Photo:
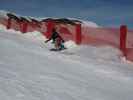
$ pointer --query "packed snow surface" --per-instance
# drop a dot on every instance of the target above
(29, 71)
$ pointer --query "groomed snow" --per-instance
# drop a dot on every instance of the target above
(29, 71)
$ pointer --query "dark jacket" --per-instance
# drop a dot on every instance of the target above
(54, 36)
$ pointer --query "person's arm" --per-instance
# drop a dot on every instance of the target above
(49, 39)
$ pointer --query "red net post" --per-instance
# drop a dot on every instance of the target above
(123, 37)
(78, 37)
(24, 27)
(8, 26)
(50, 26)
(20, 26)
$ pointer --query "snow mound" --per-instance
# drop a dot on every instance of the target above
(86, 23)
(3, 29)
(35, 35)
(3, 14)
(70, 44)
(89, 24)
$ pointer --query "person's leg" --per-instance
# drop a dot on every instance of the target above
(62, 45)
(57, 44)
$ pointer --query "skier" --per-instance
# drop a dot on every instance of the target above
(57, 40)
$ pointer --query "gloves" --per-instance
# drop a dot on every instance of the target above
(46, 41)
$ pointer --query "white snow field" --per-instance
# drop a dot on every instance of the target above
(29, 71)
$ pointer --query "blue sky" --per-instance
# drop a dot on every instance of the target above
(103, 12)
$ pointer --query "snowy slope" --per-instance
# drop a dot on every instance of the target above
(29, 71)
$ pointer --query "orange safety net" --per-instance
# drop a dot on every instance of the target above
(89, 35)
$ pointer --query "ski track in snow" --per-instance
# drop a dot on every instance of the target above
(29, 71)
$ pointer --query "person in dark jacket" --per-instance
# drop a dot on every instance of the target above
(57, 40)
